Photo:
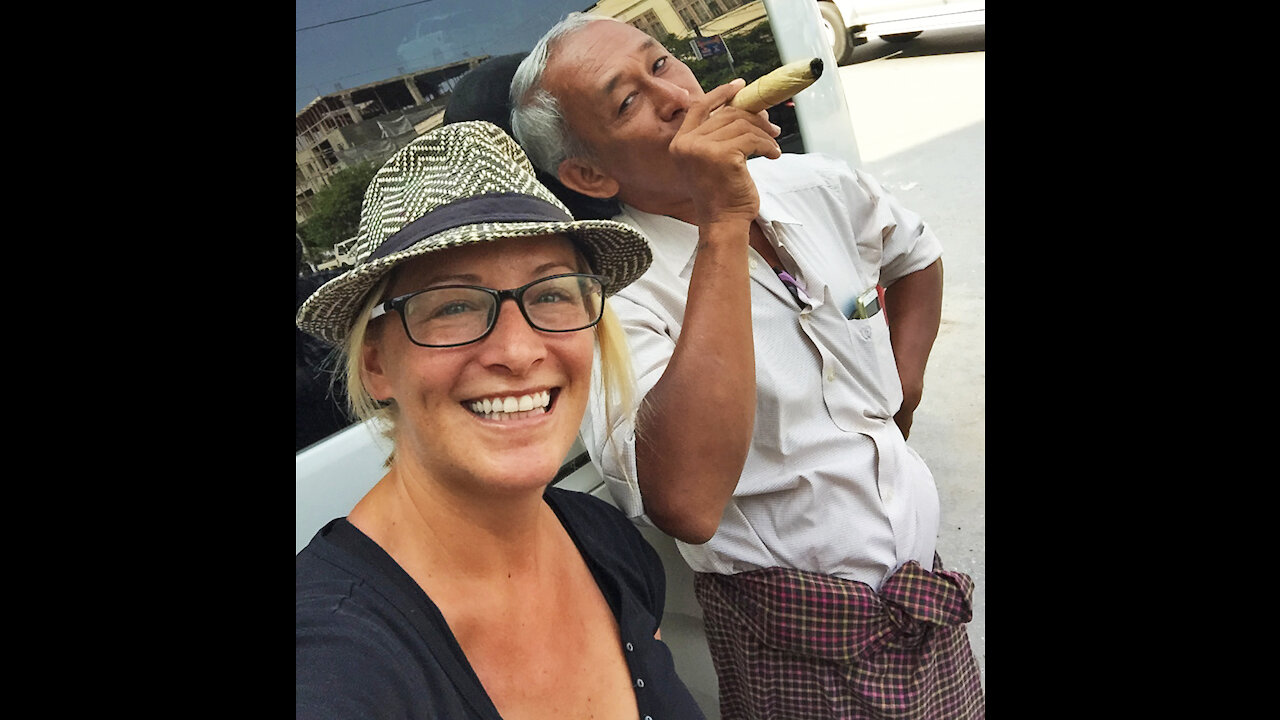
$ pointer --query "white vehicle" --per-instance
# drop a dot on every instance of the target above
(848, 23)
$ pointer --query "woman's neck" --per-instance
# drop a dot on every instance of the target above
(444, 530)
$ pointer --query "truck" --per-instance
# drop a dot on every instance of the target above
(848, 23)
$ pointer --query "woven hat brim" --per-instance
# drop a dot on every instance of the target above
(616, 251)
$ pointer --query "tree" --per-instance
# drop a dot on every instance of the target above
(754, 54)
(337, 207)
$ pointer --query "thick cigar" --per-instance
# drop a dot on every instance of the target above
(770, 89)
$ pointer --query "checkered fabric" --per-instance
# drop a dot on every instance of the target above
(475, 174)
(796, 645)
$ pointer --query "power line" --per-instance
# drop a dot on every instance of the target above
(357, 17)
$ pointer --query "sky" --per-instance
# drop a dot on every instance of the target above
(349, 43)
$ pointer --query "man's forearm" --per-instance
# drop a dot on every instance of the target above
(694, 428)
(913, 307)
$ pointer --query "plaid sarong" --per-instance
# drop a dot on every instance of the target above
(803, 646)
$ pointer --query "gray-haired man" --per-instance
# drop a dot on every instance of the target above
(771, 437)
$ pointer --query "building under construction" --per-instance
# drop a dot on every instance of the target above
(367, 123)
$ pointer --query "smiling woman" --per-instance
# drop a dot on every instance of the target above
(470, 323)
(456, 348)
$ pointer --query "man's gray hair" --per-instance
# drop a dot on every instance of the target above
(537, 121)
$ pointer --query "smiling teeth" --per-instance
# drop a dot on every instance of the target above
(512, 404)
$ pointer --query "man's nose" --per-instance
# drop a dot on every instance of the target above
(669, 99)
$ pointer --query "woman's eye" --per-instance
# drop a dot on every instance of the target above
(660, 63)
(453, 308)
(552, 296)
(626, 102)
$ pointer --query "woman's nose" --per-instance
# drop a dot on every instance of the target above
(513, 343)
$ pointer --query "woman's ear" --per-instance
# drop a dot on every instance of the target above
(373, 372)
(583, 176)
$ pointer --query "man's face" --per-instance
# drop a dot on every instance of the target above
(625, 96)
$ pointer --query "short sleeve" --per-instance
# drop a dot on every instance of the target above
(907, 243)
(610, 437)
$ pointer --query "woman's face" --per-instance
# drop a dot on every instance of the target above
(437, 389)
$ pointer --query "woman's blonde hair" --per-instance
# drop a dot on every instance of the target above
(615, 366)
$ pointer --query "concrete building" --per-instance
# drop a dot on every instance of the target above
(370, 122)
(684, 18)
(366, 123)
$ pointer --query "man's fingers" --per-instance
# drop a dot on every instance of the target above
(709, 124)
(715, 105)
(747, 134)
(702, 108)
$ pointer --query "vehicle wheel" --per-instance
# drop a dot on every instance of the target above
(901, 37)
(837, 33)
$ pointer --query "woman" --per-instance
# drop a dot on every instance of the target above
(461, 585)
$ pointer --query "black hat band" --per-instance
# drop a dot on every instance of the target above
(488, 208)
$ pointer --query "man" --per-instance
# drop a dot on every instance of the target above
(776, 397)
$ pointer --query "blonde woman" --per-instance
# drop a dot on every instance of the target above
(461, 585)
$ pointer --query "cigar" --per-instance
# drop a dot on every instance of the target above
(772, 88)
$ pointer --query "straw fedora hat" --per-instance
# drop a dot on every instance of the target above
(461, 183)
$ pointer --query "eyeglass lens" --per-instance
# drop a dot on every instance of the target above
(459, 315)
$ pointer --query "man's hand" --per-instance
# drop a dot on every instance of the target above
(903, 419)
(713, 144)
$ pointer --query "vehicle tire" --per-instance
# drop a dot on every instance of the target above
(901, 37)
(837, 33)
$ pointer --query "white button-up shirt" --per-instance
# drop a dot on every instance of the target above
(829, 484)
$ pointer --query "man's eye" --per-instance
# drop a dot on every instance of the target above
(658, 66)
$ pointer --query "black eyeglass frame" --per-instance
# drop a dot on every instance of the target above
(516, 294)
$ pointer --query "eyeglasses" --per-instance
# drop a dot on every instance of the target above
(452, 315)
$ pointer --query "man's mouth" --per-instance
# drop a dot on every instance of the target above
(511, 407)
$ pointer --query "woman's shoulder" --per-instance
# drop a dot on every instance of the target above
(369, 642)
(609, 538)
(343, 578)
(588, 513)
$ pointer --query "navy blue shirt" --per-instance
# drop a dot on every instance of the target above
(371, 644)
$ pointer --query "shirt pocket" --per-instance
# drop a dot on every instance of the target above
(864, 376)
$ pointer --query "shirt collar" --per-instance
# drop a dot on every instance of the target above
(772, 211)
(664, 226)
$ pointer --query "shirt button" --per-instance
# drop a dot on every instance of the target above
(831, 374)
(751, 263)
(639, 683)
(630, 647)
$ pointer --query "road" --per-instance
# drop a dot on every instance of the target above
(919, 118)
